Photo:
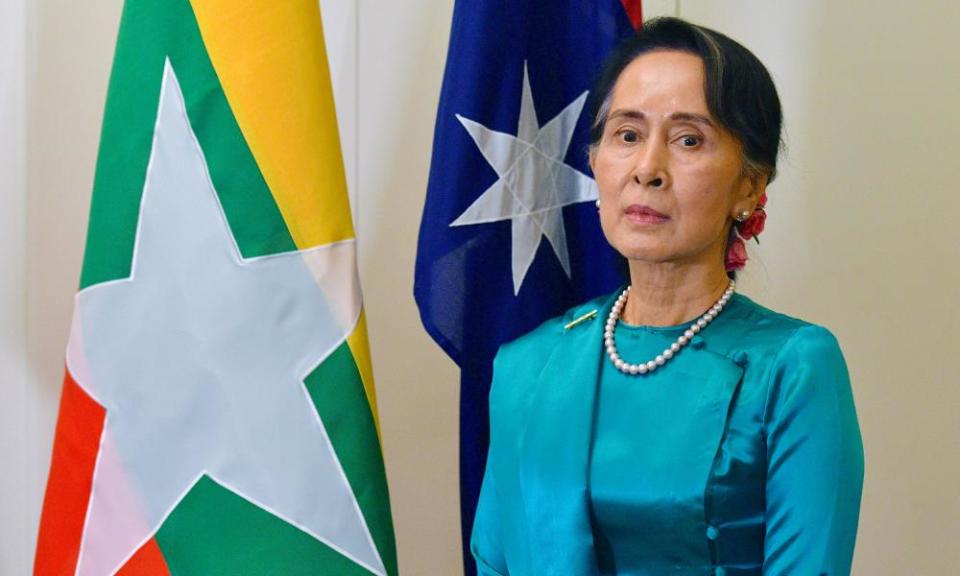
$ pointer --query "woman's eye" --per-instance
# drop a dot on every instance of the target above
(690, 141)
(629, 136)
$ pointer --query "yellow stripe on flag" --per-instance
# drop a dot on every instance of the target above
(272, 64)
(359, 347)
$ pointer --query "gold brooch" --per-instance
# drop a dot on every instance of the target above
(588, 316)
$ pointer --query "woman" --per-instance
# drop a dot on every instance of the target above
(674, 427)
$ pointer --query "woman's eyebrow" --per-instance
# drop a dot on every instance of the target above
(691, 117)
(675, 116)
(627, 113)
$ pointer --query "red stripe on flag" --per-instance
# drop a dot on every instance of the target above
(148, 561)
(75, 449)
(633, 12)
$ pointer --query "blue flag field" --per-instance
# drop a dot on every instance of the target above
(510, 235)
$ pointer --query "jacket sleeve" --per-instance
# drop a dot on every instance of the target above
(485, 541)
(814, 460)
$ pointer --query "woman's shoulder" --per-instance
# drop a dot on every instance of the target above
(778, 335)
(545, 336)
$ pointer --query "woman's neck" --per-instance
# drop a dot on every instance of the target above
(666, 294)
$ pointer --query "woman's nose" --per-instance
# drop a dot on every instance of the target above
(650, 169)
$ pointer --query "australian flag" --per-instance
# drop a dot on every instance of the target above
(510, 234)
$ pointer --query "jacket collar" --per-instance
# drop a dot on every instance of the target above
(556, 440)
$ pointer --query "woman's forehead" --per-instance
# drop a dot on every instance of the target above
(661, 83)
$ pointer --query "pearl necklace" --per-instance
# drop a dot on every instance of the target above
(670, 351)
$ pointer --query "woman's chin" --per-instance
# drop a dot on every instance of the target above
(646, 256)
(638, 257)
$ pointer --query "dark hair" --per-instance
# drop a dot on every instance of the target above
(738, 89)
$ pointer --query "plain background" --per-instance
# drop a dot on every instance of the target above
(862, 237)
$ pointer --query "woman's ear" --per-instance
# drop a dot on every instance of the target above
(754, 185)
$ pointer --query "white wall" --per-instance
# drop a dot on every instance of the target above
(861, 237)
(68, 51)
(402, 53)
(15, 394)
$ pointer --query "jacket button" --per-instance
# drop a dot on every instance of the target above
(712, 533)
(697, 341)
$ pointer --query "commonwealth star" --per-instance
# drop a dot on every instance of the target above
(534, 182)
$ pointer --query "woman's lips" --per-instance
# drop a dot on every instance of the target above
(644, 214)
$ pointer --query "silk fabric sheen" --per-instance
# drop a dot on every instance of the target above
(741, 456)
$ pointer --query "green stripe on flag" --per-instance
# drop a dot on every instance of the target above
(214, 532)
(150, 32)
(337, 392)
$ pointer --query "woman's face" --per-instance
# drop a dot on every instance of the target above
(670, 177)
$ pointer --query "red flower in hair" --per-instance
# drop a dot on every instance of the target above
(736, 254)
(753, 225)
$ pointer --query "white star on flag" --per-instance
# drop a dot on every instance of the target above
(534, 182)
(199, 359)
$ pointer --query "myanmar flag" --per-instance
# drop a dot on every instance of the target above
(218, 413)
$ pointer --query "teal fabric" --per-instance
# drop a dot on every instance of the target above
(741, 456)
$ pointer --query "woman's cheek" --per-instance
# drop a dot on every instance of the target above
(609, 219)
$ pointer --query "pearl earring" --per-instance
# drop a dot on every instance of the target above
(598, 203)
(743, 216)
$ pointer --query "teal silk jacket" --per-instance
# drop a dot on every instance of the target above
(746, 457)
